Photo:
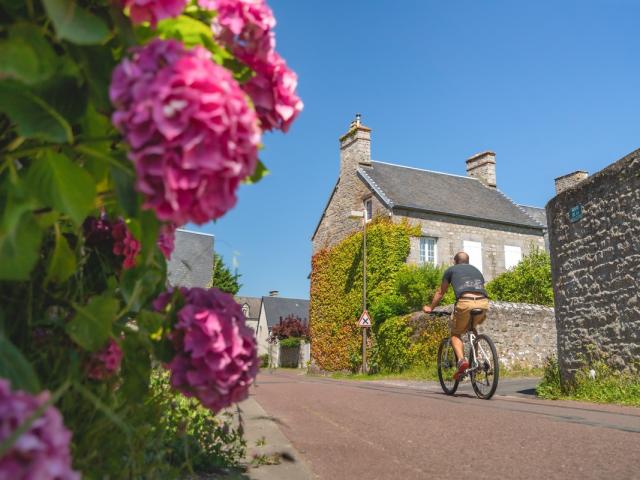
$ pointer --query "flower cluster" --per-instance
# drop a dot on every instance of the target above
(167, 239)
(192, 134)
(216, 359)
(42, 452)
(245, 27)
(114, 236)
(153, 11)
(106, 362)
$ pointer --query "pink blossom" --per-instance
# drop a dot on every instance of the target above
(216, 354)
(245, 27)
(192, 134)
(42, 452)
(153, 11)
(273, 91)
(166, 239)
(106, 362)
(124, 244)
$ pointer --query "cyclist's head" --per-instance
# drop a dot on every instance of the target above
(461, 257)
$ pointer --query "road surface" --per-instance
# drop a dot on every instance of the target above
(410, 430)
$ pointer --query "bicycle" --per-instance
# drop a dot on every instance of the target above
(484, 368)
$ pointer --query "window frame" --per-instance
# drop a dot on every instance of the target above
(422, 253)
(367, 204)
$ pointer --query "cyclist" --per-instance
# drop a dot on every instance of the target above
(468, 286)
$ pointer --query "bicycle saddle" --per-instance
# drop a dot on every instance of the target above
(476, 311)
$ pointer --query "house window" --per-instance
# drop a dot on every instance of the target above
(474, 250)
(428, 252)
(368, 209)
(512, 256)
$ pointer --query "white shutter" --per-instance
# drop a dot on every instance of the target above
(474, 250)
(512, 256)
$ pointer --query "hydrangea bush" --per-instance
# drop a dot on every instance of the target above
(120, 121)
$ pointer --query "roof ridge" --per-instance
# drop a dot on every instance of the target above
(516, 205)
(426, 170)
(286, 298)
(530, 206)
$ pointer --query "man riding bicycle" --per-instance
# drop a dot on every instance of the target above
(468, 286)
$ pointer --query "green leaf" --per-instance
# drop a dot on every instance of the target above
(76, 24)
(33, 116)
(60, 183)
(26, 55)
(185, 29)
(259, 173)
(65, 95)
(91, 326)
(20, 238)
(62, 264)
(136, 368)
(138, 285)
(16, 368)
(150, 227)
(125, 191)
(96, 64)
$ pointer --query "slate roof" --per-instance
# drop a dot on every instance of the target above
(280, 307)
(254, 306)
(191, 262)
(424, 190)
(538, 214)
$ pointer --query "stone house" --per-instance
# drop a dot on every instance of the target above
(265, 312)
(455, 212)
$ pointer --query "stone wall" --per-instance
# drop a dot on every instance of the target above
(452, 231)
(524, 334)
(191, 263)
(595, 260)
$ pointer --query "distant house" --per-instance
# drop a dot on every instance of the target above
(272, 310)
(191, 263)
(455, 212)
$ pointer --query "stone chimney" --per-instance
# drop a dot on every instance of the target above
(570, 180)
(274, 293)
(483, 167)
(355, 147)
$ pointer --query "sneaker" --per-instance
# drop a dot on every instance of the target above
(462, 366)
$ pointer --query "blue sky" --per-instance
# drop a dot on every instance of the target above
(550, 86)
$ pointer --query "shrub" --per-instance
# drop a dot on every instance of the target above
(264, 360)
(528, 282)
(290, 342)
(290, 327)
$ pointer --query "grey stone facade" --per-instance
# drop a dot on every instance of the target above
(524, 335)
(594, 231)
(191, 263)
(450, 208)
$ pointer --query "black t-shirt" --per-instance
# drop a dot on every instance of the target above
(465, 278)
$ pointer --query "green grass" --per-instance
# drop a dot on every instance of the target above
(608, 386)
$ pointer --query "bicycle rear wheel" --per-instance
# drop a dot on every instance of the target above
(484, 378)
(447, 367)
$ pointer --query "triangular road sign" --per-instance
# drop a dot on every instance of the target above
(365, 320)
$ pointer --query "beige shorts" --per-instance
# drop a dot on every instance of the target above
(462, 314)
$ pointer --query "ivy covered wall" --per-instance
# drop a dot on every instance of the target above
(336, 289)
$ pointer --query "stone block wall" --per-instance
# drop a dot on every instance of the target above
(524, 334)
(595, 260)
(191, 263)
(451, 232)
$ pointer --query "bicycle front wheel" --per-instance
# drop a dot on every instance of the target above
(484, 377)
(447, 367)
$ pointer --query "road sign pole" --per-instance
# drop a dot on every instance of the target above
(364, 291)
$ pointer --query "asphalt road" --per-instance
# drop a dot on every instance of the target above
(410, 430)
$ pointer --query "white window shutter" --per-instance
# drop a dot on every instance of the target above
(512, 256)
(474, 250)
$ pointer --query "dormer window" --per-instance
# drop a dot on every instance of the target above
(245, 310)
(368, 209)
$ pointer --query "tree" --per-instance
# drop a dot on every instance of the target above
(528, 282)
(222, 278)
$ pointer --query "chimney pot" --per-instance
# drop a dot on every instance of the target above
(483, 167)
(273, 293)
(570, 180)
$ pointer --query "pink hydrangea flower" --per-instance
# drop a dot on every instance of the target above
(153, 11)
(104, 363)
(216, 355)
(192, 134)
(124, 244)
(166, 239)
(42, 452)
(243, 26)
(273, 91)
